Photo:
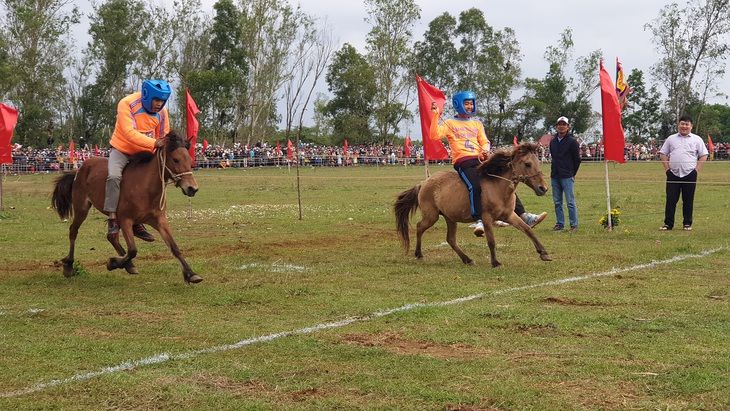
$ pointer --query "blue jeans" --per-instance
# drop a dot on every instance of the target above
(565, 186)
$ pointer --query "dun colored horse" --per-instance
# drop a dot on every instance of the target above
(142, 199)
(444, 193)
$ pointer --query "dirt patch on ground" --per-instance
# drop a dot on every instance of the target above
(398, 344)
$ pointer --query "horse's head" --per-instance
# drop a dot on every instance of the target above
(519, 165)
(526, 167)
(178, 164)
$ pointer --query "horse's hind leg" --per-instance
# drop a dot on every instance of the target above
(428, 219)
(80, 213)
(129, 265)
(451, 239)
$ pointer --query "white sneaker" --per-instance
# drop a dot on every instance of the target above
(479, 229)
(500, 223)
(533, 219)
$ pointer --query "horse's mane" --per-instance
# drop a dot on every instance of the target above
(173, 141)
(500, 160)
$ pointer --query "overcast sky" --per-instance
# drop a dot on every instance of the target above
(615, 27)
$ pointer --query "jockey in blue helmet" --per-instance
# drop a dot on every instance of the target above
(458, 102)
(154, 89)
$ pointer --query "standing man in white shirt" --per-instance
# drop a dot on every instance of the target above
(682, 155)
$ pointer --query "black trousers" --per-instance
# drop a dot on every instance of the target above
(676, 187)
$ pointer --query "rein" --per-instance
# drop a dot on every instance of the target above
(161, 155)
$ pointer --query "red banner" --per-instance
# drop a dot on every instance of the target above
(8, 120)
(514, 141)
(205, 145)
(191, 109)
(289, 154)
(428, 94)
(613, 131)
(710, 146)
(408, 146)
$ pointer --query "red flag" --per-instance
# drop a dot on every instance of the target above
(205, 145)
(288, 150)
(514, 141)
(346, 147)
(278, 147)
(191, 123)
(71, 149)
(427, 94)
(613, 131)
(408, 146)
(710, 146)
(8, 120)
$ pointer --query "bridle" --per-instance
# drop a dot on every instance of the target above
(516, 178)
(162, 160)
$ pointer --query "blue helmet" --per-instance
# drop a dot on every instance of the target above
(154, 89)
(458, 102)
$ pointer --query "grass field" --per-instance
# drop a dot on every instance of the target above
(326, 312)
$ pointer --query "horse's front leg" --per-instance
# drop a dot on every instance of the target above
(492, 245)
(163, 227)
(125, 259)
(519, 224)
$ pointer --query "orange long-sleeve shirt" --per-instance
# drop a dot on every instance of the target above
(466, 136)
(136, 130)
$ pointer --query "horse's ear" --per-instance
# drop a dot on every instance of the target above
(188, 142)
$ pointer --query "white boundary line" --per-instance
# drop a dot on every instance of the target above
(160, 358)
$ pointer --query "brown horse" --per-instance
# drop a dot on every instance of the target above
(444, 193)
(141, 200)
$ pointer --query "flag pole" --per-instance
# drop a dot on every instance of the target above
(608, 200)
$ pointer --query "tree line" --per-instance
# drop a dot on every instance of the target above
(253, 67)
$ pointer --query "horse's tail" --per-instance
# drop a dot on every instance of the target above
(405, 205)
(61, 199)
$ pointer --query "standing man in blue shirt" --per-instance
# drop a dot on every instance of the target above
(565, 152)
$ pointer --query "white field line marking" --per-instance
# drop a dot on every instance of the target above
(160, 358)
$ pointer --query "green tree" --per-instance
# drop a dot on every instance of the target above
(435, 56)
(115, 29)
(351, 80)
(269, 27)
(642, 117)
(693, 44)
(390, 56)
(35, 62)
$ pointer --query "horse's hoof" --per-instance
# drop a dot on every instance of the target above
(68, 271)
(469, 262)
(496, 264)
(545, 257)
(193, 279)
(132, 270)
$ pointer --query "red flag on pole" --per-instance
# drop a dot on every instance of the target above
(191, 123)
(346, 147)
(408, 146)
(613, 131)
(710, 146)
(427, 94)
(205, 145)
(289, 154)
(71, 149)
(96, 150)
(278, 147)
(514, 141)
(8, 120)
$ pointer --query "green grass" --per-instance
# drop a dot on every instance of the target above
(632, 337)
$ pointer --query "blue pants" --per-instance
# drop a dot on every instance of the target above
(564, 186)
